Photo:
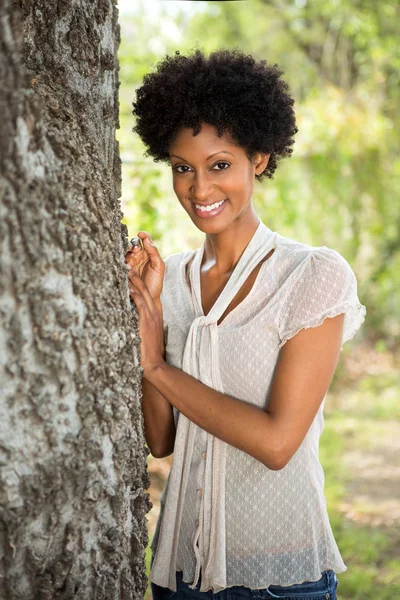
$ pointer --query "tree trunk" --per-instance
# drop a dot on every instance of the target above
(73, 470)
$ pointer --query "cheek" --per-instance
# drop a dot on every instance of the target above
(236, 183)
(175, 186)
(178, 185)
(180, 191)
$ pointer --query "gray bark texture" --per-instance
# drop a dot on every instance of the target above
(73, 459)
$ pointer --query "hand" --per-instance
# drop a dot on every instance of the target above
(151, 330)
(148, 264)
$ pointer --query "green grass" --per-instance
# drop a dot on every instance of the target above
(369, 552)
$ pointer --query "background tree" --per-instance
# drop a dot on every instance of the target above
(73, 467)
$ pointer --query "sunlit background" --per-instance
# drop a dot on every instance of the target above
(340, 189)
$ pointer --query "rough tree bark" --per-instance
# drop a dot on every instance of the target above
(73, 470)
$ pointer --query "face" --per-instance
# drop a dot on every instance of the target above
(206, 170)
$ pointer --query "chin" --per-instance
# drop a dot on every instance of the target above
(210, 226)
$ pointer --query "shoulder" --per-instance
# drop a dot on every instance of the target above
(297, 260)
(173, 264)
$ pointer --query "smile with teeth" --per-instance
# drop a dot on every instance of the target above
(210, 206)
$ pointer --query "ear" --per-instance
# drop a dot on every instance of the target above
(260, 161)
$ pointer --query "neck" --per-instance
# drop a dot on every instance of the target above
(223, 250)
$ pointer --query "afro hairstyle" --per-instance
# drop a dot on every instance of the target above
(228, 90)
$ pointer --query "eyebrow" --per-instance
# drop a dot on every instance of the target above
(211, 155)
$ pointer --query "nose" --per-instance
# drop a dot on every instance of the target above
(202, 188)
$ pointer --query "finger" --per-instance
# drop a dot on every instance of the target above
(134, 287)
(132, 271)
(136, 245)
(139, 285)
(136, 296)
(128, 256)
(151, 249)
(135, 241)
(136, 260)
(132, 252)
(142, 307)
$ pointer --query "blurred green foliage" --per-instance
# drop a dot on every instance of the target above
(341, 186)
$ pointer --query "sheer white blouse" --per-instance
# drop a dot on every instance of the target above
(223, 513)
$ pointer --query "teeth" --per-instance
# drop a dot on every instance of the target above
(210, 207)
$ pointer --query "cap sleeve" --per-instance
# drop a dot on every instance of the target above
(323, 285)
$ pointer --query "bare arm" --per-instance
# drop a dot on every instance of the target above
(302, 377)
(158, 415)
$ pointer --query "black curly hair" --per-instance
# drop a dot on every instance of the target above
(228, 90)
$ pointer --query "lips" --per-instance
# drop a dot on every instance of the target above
(209, 213)
(208, 203)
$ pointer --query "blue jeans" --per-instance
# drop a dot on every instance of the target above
(323, 589)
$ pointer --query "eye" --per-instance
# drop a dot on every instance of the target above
(222, 163)
(186, 167)
(179, 167)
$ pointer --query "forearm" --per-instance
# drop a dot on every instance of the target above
(158, 415)
(234, 421)
(159, 422)
(160, 310)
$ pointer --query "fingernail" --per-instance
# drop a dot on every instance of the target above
(129, 267)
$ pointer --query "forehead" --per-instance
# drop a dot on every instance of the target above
(205, 141)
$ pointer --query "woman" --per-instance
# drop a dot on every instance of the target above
(240, 339)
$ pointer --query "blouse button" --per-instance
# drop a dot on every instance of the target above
(199, 491)
(204, 454)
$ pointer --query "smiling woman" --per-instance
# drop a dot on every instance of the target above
(240, 339)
